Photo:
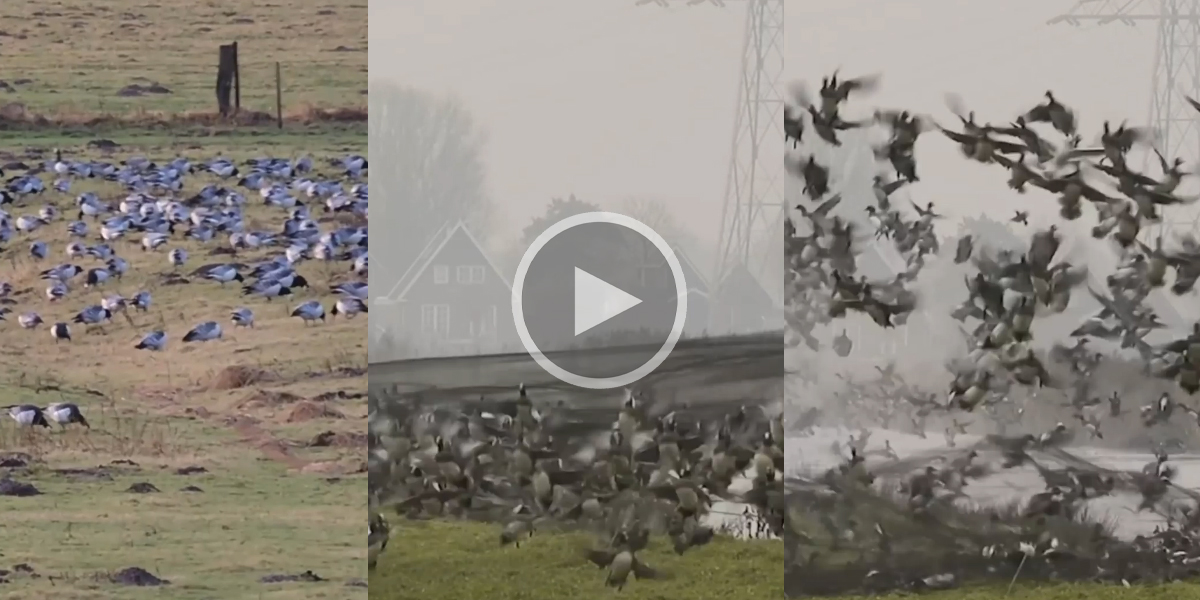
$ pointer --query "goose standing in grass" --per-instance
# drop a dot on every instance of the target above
(27, 415)
(39, 250)
(268, 290)
(93, 315)
(30, 320)
(141, 301)
(60, 331)
(208, 330)
(65, 413)
(154, 341)
(242, 317)
(223, 274)
(348, 307)
(310, 311)
(177, 257)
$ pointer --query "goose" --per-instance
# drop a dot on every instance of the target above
(28, 224)
(30, 320)
(242, 317)
(39, 250)
(77, 229)
(141, 301)
(93, 315)
(27, 415)
(60, 167)
(56, 291)
(153, 241)
(206, 331)
(267, 290)
(177, 256)
(223, 274)
(60, 332)
(348, 307)
(65, 413)
(115, 303)
(117, 266)
(96, 277)
(155, 341)
(47, 213)
(310, 311)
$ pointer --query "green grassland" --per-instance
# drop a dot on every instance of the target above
(444, 560)
(244, 409)
(69, 65)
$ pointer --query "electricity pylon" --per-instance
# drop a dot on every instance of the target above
(753, 211)
(1176, 64)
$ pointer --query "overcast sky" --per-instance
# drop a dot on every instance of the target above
(1000, 57)
(599, 98)
(607, 100)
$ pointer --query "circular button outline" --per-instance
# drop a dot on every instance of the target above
(518, 310)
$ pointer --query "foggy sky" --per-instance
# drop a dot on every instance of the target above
(599, 98)
(1000, 57)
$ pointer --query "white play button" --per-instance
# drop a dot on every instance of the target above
(599, 280)
(597, 301)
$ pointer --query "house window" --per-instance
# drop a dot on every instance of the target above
(469, 275)
(428, 318)
(435, 319)
(441, 274)
(443, 320)
(488, 322)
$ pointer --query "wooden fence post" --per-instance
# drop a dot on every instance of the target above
(226, 70)
(278, 97)
(237, 81)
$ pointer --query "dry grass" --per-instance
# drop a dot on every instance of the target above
(267, 507)
(66, 60)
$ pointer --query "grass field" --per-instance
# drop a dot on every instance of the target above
(70, 65)
(440, 560)
(246, 410)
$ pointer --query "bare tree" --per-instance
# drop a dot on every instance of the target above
(428, 172)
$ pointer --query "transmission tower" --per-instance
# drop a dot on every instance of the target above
(1176, 63)
(752, 216)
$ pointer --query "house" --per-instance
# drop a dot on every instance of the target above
(742, 305)
(659, 274)
(451, 301)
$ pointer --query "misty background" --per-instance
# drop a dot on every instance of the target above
(510, 116)
(1000, 58)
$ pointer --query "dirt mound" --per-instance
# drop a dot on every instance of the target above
(268, 398)
(329, 439)
(307, 411)
(136, 576)
(239, 376)
(8, 487)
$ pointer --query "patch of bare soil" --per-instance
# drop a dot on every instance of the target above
(239, 376)
(268, 399)
(271, 447)
(307, 410)
(329, 439)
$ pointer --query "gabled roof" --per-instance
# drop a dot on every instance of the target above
(429, 254)
(700, 283)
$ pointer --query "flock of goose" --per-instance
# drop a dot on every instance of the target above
(157, 212)
(640, 469)
(868, 536)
